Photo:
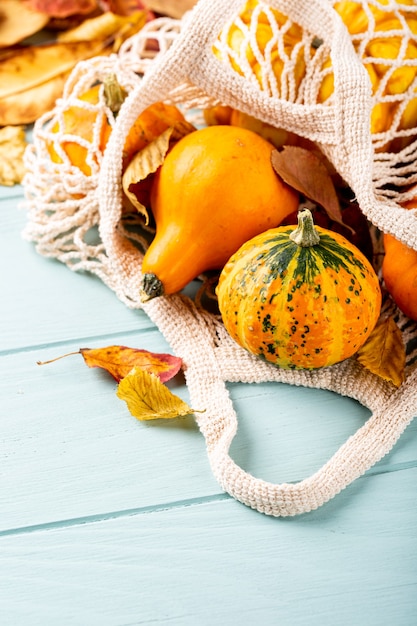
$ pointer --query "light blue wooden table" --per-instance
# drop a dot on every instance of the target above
(108, 521)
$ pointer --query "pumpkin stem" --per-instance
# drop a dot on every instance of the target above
(114, 94)
(151, 287)
(305, 234)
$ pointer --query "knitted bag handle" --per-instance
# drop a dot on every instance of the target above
(210, 356)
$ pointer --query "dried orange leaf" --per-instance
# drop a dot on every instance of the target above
(384, 352)
(107, 26)
(147, 398)
(120, 360)
(12, 148)
(18, 21)
(305, 171)
(143, 164)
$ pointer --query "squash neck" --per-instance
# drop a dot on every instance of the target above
(305, 235)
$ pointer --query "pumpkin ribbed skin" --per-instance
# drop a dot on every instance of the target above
(299, 307)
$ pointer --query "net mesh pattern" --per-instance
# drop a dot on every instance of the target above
(340, 74)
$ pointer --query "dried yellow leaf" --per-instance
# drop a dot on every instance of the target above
(31, 66)
(33, 77)
(144, 163)
(12, 148)
(147, 398)
(173, 8)
(18, 21)
(384, 352)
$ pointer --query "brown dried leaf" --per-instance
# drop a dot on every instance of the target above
(32, 78)
(63, 8)
(12, 148)
(118, 361)
(123, 7)
(384, 352)
(305, 171)
(18, 21)
(147, 398)
(143, 164)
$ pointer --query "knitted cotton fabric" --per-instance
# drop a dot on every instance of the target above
(77, 218)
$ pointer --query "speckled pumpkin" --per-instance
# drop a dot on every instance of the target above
(301, 299)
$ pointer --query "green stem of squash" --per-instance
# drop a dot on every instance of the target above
(305, 235)
(114, 94)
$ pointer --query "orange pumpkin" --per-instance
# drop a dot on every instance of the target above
(84, 122)
(399, 270)
(300, 299)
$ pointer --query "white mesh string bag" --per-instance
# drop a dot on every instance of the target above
(325, 90)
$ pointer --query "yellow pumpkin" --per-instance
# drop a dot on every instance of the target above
(235, 47)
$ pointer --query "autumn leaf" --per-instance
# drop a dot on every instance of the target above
(305, 171)
(33, 78)
(147, 398)
(125, 7)
(118, 361)
(18, 21)
(146, 161)
(384, 352)
(63, 8)
(173, 8)
(12, 148)
(143, 164)
(106, 27)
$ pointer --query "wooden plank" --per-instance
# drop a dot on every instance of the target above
(351, 562)
(287, 433)
(70, 447)
(44, 302)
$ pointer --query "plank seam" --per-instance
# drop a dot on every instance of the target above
(100, 517)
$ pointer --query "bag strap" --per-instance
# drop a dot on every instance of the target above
(188, 330)
(194, 338)
(190, 59)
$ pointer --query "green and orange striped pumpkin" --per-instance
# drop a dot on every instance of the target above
(301, 299)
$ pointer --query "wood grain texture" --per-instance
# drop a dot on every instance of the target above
(42, 301)
(219, 563)
(111, 522)
(63, 420)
